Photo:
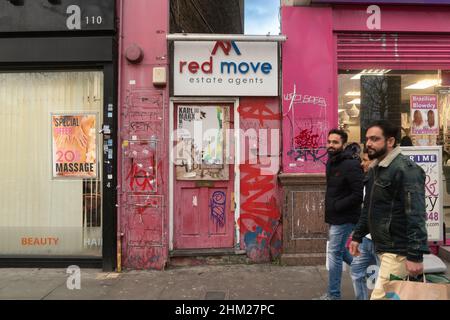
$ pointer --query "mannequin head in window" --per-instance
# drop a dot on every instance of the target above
(417, 118)
(430, 118)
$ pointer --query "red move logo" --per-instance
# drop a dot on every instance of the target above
(226, 67)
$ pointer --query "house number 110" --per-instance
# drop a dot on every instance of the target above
(94, 20)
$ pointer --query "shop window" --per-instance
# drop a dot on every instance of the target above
(383, 94)
(43, 214)
(380, 94)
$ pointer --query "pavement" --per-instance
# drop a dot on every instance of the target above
(217, 282)
(221, 282)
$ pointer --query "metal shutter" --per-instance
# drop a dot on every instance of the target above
(393, 51)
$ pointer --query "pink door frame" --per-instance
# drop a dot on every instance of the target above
(234, 102)
(194, 210)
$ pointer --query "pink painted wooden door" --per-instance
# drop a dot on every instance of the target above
(203, 193)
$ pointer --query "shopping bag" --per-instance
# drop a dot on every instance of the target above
(416, 290)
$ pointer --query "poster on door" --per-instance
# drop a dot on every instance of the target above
(200, 151)
(424, 114)
(430, 159)
(74, 152)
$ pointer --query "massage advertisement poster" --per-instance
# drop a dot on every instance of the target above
(74, 152)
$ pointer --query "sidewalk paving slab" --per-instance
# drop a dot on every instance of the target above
(229, 282)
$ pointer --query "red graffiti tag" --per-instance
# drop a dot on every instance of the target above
(146, 205)
(142, 179)
(257, 110)
(254, 208)
(306, 139)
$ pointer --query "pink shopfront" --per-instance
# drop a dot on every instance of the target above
(346, 65)
(182, 196)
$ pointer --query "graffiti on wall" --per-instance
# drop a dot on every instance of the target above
(306, 99)
(142, 220)
(142, 175)
(306, 130)
(308, 146)
(308, 88)
(259, 206)
(260, 214)
(258, 111)
(217, 206)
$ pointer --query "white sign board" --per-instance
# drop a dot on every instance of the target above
(225, 68)
(430, 159)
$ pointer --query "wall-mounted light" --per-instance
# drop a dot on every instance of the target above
(370, 72)
(134, 54)
(423, 84)
(355, 101)
(17, 2)
(353, 94)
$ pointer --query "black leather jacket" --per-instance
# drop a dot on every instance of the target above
(394, 208)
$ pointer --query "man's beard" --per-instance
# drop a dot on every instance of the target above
(376, 154)
(332, 151)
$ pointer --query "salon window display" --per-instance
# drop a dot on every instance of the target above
(412, 100)
(423, 110)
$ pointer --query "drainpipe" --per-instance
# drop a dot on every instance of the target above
(119, 162)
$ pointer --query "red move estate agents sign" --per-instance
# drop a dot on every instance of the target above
(225, 68)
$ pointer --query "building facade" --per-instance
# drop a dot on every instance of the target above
(58, 120)
(93, 173)
(135, 137)
(183, 194)
(351, 64)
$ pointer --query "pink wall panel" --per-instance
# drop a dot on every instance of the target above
(309, 76)
(143, 123)
(190, 219)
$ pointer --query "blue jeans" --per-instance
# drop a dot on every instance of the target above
(337, 252)
(359, 267)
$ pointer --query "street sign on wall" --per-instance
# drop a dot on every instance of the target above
(225, 68)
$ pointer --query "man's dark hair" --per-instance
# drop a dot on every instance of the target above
(341, 133)
(389, 130)
(355, 150)
(406, 141)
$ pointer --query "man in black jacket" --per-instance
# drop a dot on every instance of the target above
(394, 208)
(342, 205)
